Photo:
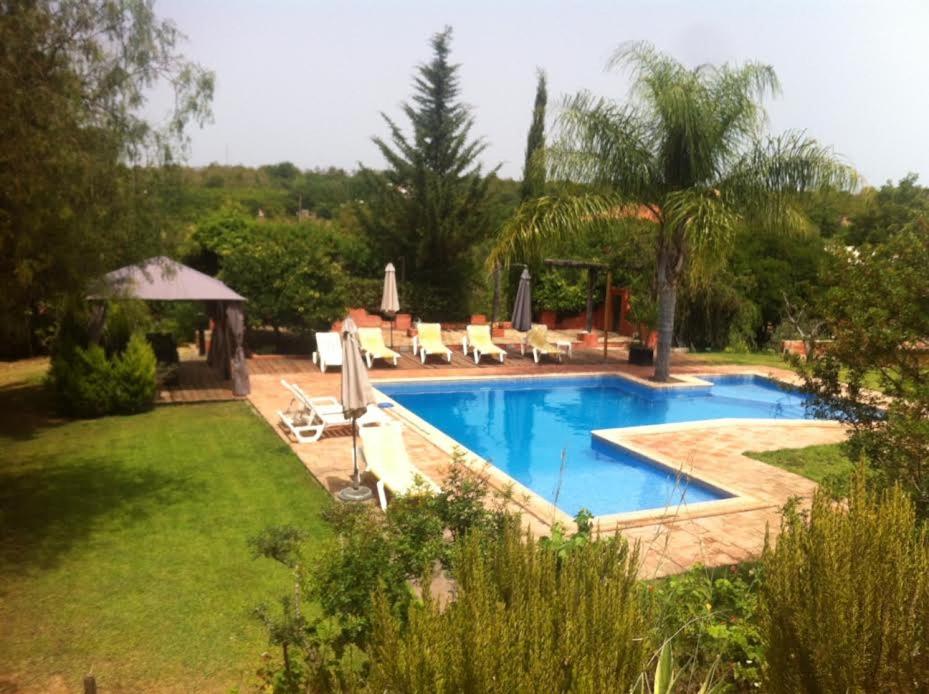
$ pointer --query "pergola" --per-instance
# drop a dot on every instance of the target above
(164, 279)
(592, 269)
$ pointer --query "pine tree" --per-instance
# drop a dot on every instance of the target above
(534, 169)
(430, 207)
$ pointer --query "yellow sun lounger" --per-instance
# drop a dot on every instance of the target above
(537, 341)
(428, 341)
(386, 458)
(371, 341)
(477, 339)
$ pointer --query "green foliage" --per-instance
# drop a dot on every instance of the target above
(523, 621)
(533, 184)
(878, 310)
(553, 290)
(134, 374)
(280, 543)
(887, 211)
(124, 318)
(83, 381)
(561, 544)
(710, 615)
(287, 271)
(78, 200)
(845, 600)
(432, 205)
(88, 384)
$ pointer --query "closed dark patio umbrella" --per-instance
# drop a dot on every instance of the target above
(522, 309)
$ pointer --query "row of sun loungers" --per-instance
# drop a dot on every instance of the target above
(428, 342)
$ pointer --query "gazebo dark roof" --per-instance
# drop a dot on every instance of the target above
(164, 279)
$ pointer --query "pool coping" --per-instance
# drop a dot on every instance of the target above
(549, 512)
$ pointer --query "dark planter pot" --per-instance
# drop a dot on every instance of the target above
(641, 356)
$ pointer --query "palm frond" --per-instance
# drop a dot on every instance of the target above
(707, 224)
(602, 143)
(767, 180)
(547, 219)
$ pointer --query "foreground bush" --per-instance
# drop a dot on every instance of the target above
(88, 384)
(525, 619)
(844, 603)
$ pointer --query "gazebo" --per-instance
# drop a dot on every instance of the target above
(164, 279)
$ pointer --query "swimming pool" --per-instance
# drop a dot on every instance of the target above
(532, 428)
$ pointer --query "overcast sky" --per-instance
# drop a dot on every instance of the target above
(305, 81)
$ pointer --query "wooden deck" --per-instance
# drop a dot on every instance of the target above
(197, 382)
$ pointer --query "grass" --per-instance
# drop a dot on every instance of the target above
(123, 543)
(825, 464)
(766, 359)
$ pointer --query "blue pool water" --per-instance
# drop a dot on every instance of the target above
(526, 426)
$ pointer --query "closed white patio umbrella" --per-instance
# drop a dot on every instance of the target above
(356, 395)
(390, 300)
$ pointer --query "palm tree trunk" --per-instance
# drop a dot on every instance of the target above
(667, 301)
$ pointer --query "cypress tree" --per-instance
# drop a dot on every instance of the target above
(534, 169)
(430, 206)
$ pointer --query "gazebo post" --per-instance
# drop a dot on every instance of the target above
(591, 275)
(607, 312)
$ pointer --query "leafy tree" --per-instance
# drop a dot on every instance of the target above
(431, 205)
(534, 168)
(888, 211)
(878, 312)
(687, 150)
(74, 198)
(290, 279)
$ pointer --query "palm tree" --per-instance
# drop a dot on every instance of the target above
(688, 147)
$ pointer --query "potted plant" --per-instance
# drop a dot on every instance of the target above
(644, 310)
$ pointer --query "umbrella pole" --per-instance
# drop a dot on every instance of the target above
(357, 475)
(356, 492)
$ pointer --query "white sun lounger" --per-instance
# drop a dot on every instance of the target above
(386, 458)
(328, 350)
(316, 415)
(477, 338)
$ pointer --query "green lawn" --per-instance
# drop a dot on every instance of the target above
(766, 359)
(123, 544)
(824, 464)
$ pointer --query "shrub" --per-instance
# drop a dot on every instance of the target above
(710, 615)
(123, 318)
(524, 620)
(134, 374)
(845, 601)
(554, 291)
(83, 381)
(87, 384)
(878, 311)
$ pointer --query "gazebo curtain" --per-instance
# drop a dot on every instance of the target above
(235, 323)
(227, 349)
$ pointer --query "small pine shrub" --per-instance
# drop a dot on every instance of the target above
(83, 381)
(134, 373)
(525, 620)
(87, 384)
(845, 602)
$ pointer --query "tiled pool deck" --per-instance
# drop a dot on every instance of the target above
(672, 540)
